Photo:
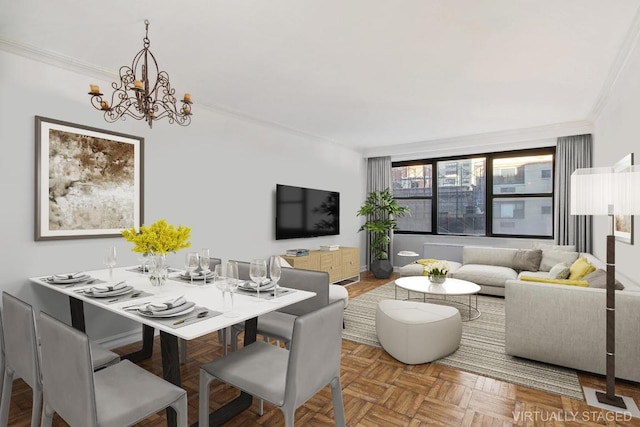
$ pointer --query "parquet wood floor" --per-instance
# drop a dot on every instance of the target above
(380, 391)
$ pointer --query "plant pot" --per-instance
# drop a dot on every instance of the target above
(381, 268)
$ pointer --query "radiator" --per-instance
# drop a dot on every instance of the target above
(448, 251)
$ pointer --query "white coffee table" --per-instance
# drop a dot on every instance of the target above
(451, 287)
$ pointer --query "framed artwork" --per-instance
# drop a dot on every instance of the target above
(623, 224)
(89, 182)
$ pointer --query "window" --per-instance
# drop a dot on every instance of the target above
(493, 194)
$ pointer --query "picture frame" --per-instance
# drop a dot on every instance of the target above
(89, 181)
(623, 224)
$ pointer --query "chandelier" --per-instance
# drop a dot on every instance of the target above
(136, 96)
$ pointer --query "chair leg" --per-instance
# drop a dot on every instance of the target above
(203, 398)
(260, 407)
(7, 385)
(180, 407)
(47, 416)
(36, 413)
(338, 405)
(289, 413)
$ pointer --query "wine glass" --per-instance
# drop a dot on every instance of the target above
(232, 285)
(144, 259)
(191, 262)
(275, 271)
(257, 273)
(220, 282)
(204, 263)
(110, 260)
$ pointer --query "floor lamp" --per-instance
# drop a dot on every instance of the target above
(605, 191)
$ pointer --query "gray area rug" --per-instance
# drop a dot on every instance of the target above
(481, 349)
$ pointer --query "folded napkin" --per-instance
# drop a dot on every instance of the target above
(107, 288)
(163, 306)
(254, 285)
(69, 276)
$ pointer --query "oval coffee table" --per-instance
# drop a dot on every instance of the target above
(451, 287)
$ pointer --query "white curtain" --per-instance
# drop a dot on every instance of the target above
(378, 178)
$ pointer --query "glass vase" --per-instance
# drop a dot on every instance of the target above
(438, 279)
(158, 269)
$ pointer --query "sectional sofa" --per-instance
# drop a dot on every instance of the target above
(562, 321)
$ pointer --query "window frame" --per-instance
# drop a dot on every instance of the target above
(489, 190)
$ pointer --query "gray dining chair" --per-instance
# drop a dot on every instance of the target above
(1, 355)
(285, 378)
(279, 324)
(22, 358)
(118, 395)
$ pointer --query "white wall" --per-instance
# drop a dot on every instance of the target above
(217, 176)
(617, 133)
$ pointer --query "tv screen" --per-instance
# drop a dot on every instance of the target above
(306, 212)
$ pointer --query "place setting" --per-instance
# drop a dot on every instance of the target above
(112, 293)
(174, 312)
(71, 279)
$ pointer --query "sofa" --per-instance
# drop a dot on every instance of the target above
(555, 320)
(491, 268)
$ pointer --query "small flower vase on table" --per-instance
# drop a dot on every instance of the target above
(158, 269)
(437, 279)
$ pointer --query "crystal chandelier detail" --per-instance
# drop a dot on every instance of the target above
(136, 96)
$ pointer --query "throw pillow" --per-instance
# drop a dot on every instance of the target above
(580, 268)
(559, 271)
(527, 259)
(551, 257)
(598, 279)
(581, 283)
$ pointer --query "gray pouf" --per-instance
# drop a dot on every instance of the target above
(416, 332)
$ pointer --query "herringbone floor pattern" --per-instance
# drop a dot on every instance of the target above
(380, 391)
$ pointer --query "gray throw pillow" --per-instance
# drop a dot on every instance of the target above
(553, 256)
(598, 279)
(559, 271)
(527, 259)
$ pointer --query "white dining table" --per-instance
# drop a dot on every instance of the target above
(204, 296)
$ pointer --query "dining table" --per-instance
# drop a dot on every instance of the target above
(133, 295)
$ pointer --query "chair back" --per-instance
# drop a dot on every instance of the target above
(296, 278)
(20, 340)
(67, 372)
(314, 356)
(1, 354)
(213, 262)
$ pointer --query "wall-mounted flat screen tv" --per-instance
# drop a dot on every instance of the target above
(306, 212)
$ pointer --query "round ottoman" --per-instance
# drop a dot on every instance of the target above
(417, 332)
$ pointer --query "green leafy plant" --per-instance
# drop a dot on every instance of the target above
(381, 211)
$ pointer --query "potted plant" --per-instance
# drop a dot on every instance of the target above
(381, 211)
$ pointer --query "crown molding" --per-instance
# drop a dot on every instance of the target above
(619, 64)
(514, 139)
(73, 65)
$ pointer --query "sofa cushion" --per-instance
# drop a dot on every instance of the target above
(533, 274)
(598, 279)
(547, 247)
(551, 257)
(582, 283)
(527, 259)
(488, 256)
(560, 271)
(580, 268)
(491, 275)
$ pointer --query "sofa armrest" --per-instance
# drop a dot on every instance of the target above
(565, 325)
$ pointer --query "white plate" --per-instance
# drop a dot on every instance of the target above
(253, 289)
(61, 281)
(107, 294)
(159, 314)
(196, 276)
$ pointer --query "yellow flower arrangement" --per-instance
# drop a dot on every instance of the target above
(158, 238)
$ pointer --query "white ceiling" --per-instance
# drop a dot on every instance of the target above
(362, 73)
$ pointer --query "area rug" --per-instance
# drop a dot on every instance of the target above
(481, 349)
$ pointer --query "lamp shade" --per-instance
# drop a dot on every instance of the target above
(605, 191)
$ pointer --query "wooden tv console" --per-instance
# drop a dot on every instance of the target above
(343, 264)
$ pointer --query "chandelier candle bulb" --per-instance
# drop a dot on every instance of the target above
(95, 88)
(187, 97)
(137, 84)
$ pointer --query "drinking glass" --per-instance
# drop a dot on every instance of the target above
(275, 271)
(144, 259)
(191, 262)
(204, 263)
(220, 282)
(257, 273)
(110, 260)
(232, 285)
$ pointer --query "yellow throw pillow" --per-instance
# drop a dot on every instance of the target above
(425, 262)
(582, 283)
(580, 268)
